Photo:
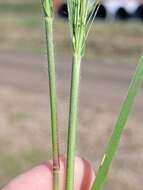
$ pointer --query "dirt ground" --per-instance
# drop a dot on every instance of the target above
(25, 120)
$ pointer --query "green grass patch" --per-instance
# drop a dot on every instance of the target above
(17, 8)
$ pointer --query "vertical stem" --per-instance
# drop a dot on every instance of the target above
(72, 121)
(53, 100)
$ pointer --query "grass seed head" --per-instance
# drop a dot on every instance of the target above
(47, 7)
(81, 16)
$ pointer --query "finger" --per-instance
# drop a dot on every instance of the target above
(40, 177)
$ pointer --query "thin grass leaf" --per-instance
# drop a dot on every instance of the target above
(123, 116)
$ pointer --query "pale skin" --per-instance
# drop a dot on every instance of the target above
(40, 177)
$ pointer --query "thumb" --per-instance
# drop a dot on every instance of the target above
(40, 177)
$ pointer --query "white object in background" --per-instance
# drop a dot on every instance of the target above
(113, 5)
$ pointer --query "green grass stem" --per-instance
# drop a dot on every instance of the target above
(48, 15)
(53, 101)
(121, 121)
(79, 23)
(72, 121)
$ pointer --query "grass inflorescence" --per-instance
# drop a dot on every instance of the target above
(81, 16)
(48, 8)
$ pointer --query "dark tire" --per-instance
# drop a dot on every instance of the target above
(122, 14)
(63, 11)
(139, 13)
(102, 13)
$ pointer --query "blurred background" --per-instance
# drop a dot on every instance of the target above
(113, 49)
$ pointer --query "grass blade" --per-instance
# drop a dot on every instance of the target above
(116, 135)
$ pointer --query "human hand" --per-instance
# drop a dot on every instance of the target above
(40, 177)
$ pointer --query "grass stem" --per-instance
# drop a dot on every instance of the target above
(79, 13)
(73, 121)
(53, 100)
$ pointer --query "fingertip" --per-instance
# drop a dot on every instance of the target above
(38, 178)
(84, 174)
(88, 175)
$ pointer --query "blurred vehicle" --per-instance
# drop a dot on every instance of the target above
(111, 9)
(124, 9)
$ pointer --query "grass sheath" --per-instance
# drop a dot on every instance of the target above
(48, 16)
(120, 124)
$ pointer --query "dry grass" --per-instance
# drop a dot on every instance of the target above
(24, 33)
